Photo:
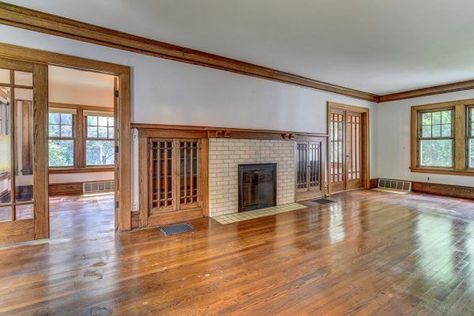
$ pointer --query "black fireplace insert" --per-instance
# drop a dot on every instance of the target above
(257, 186)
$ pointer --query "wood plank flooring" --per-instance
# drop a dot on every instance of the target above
(371, 253)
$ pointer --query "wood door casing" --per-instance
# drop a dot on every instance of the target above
(348, 147)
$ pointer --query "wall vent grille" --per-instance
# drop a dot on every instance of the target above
(98, 186)
(392, 185)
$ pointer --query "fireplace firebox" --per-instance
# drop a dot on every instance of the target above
(257, 186)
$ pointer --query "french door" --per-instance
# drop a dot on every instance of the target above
(24, 212)
(309, 170)
(345, 150)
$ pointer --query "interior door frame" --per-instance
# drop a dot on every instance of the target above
(41, 57)
(365, 140)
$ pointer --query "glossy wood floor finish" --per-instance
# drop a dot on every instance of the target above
(371, 253)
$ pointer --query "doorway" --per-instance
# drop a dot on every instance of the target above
(81, 149)
(348, 156)
(24, 192)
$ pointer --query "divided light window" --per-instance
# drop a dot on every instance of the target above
(442, 138)
(61, 139)
(470, 142)
(436, 138)
(100, 140)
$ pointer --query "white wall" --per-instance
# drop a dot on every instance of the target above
(393, 140)
(170, 92)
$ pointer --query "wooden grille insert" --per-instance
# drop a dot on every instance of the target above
(162, 175)
(189, 162)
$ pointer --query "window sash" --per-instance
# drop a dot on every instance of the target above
(420, 125)
(421, 138)
(97, 126)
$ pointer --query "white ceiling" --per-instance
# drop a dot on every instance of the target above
(371, 45)
(74, 86)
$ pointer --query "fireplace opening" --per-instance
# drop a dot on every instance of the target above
(257, 186)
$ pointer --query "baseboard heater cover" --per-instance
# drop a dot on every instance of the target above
(392, 185)
(98, 186)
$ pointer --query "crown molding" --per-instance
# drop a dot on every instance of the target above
(445, 88)
(60, 26)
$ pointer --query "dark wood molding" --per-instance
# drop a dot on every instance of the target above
(73, 188)
(444, 189)
(81, 170)
(56, 25)
(445, 88)
(163, 130)
(373, 183)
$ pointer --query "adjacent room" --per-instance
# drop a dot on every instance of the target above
(236, 157)
(81, 151)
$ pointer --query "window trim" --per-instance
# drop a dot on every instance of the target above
(79, 132)
(460, 161)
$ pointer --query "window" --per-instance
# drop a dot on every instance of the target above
(61, 139)
(442, 138)
(100, 140)
(470, 142)
(436, 138)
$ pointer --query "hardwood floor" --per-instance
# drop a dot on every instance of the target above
(369, 253)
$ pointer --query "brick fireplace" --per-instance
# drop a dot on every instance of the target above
(225, 156)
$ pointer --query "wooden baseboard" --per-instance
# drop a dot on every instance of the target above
(444, 189)
(58, 189)
(373, 183)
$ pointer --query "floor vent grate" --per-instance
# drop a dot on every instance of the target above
(98, 187)
(391, 185)
(323, 201)
(176, 229)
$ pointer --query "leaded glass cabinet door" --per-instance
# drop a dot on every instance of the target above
(308, 169)
(23, 152)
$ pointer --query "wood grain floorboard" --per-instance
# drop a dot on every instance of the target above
(370, 253)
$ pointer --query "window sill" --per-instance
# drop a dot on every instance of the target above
(81, 170)
(462, 172)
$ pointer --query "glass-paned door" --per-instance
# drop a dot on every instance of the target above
(23, 152)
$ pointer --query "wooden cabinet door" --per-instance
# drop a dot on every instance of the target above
(24, 212)
(173, 176)
(308, 170)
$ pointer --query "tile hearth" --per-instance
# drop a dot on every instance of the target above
(243, 216)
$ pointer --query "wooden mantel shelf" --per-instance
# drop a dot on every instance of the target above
(223, 132)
